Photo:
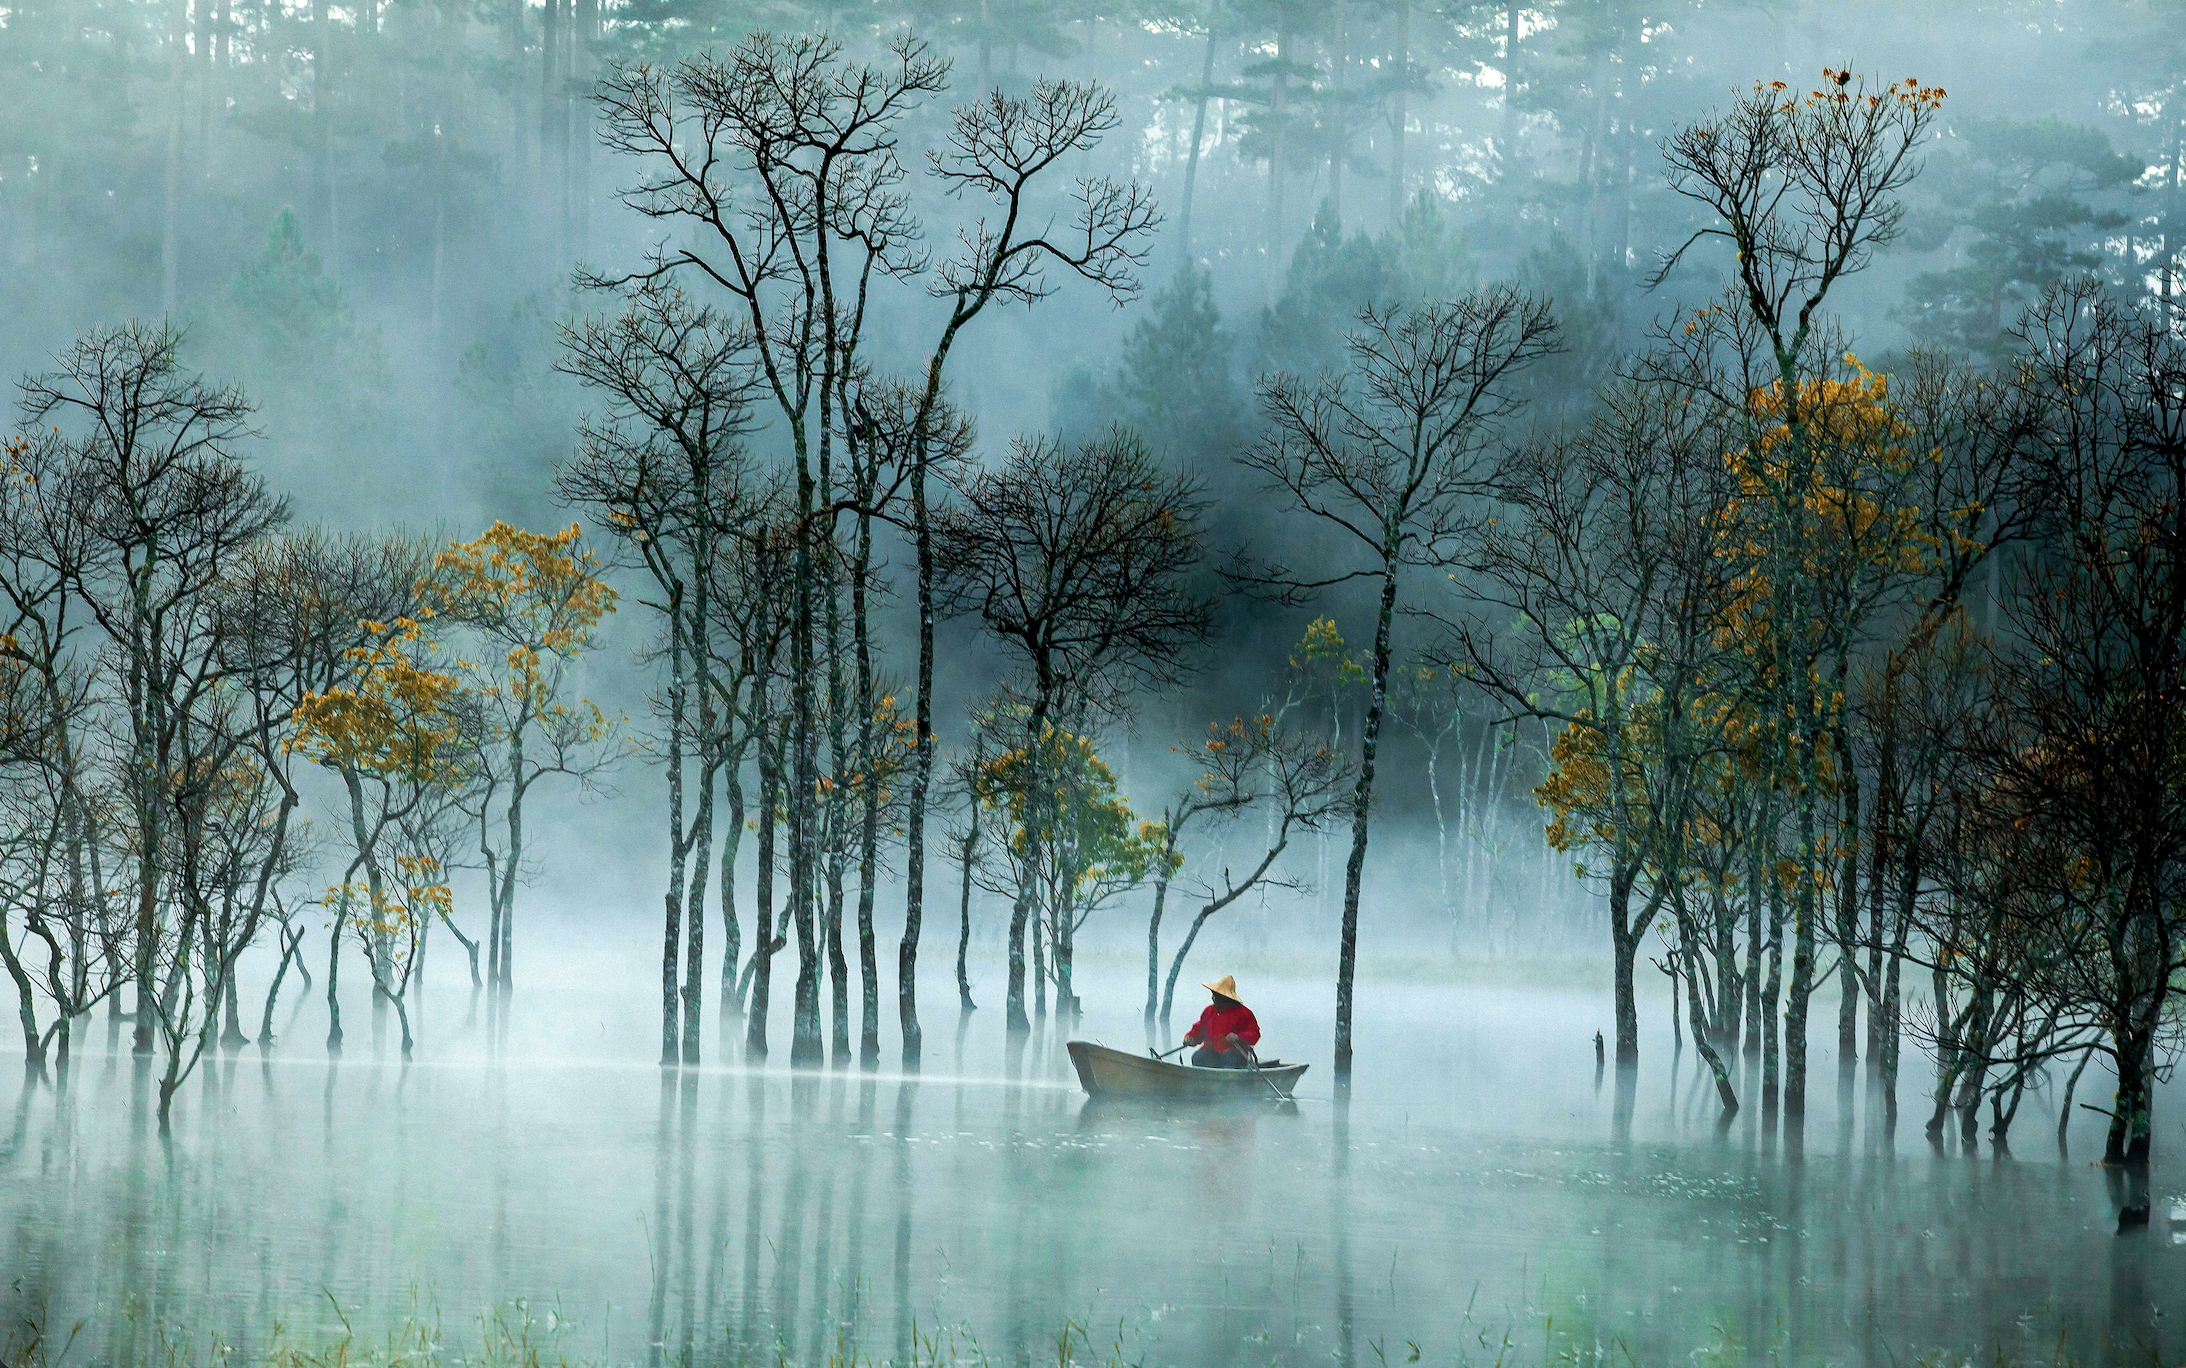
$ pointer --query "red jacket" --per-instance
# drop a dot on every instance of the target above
(1216, 1023)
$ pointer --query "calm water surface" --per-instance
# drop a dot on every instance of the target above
(1483, 1197)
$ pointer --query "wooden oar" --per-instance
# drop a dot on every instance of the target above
(1164, 1054)
(1254, 1057)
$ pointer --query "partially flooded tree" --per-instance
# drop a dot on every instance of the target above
(530, 605)
(1296, 781)
(392, 736)
(665, 470)
(2079, 768)
(73, 947)
(1803, 189)
(1080, 560)
(783, 157)
(1389, 455)
(300, 611)
(1073, 842)
(1603, 604)
(143, 462)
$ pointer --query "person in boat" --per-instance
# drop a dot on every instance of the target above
(1226, 1032)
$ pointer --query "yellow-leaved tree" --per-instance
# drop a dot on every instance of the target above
(1074, 841)
(530, 604)
(393, 735)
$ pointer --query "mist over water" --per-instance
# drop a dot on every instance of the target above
(1485, 1196)
(1649, 699)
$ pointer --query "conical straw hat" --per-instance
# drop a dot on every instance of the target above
(1226, 986)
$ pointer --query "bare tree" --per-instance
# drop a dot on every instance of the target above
(784, 158)
(1603, 605)
(1254, 763)
(2078, 768)
(665, 468)
(1080, 559)
(145, 465)
(1390, 455)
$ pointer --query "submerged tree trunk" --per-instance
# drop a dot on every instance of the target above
(1361, 805)
(1153, 945)
(763, 948)
(869, 788)
(922, 774)
(732, 931)
(969, 853)
(671, 946)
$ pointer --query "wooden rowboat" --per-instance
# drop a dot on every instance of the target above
(1116, 1073)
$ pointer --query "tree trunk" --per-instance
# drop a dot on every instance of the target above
(2131, 1123)
(671, 944)
(1362, 798)
(922, 774)
(1803, 936)
(1847, 894)
(552, 149)
(1191, 156)
(699, 847)
(1153, 945)
(869, 791)
(322, 115)
(970, 852)
(514, 821)
(1771, 994)
(732, 931)
(1624, 947)
(171, 193)
(762, 949)
(1401, 115)
(26, 1005)
(334, 976)
(1703, 1033)
(580, 139)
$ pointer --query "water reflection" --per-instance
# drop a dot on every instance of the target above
(723, 1216)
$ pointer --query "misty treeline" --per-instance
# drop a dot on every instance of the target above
(190, 681)
(1828, 673)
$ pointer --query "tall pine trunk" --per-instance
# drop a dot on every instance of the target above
(1191, 156)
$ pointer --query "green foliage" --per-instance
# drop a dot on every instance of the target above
(1333, 276)
(284, 301)
(1176, 383)
(2022, 206)
(1066, 794)
(286, 328)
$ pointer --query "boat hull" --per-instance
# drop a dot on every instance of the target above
(1115, 1073)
